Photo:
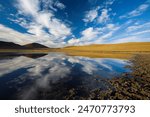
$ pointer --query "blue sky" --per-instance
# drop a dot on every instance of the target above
(59, 23)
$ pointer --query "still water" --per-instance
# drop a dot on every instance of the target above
(55, 75)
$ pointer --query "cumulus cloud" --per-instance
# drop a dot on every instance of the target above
(60, 5)
(40, 23)
(44, 18)
(95, 35)
(104, 17)
(73, 41)
(53, 5)
(38, 19)
(89, 33)
(104, 32)
(91, 15)
(100, 14)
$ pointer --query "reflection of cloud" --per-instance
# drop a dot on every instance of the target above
(10, 65)
(90, 65)
(56, 63)
(55, 68)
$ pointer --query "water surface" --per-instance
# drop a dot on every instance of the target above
(56, 75)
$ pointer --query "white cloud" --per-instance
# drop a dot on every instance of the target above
(19, 20)
(60, 5)
(109, 2)
(108, 32)
(141, 32)
(91, 15)
(59, 29)
(95, 35)
(138, 27)
(133, 28)
(130, 31)
(41, 23)
(73, 41)
(94, 13)
(44, 19)
(107, 35)
(53, 4)
(89, 33)
(130, 39)
(110, 26)
(28, 7)
(10, 35)
(138, 11)
(104, 17)
(48, 4)
(43, 27)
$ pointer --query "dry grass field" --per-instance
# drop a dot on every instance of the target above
(122, 51)
(122, 47)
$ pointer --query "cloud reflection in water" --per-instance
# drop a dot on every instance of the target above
(51, 76)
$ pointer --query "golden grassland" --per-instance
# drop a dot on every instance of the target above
(101, 55)
(123, 50)
(122, 47)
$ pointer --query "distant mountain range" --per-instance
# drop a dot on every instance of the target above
(10, 45)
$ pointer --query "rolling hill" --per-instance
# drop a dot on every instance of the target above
(35, 46)
(10, 45)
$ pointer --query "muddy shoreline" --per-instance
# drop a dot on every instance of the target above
(130, 86)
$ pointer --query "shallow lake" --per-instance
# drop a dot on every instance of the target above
(55, 75)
